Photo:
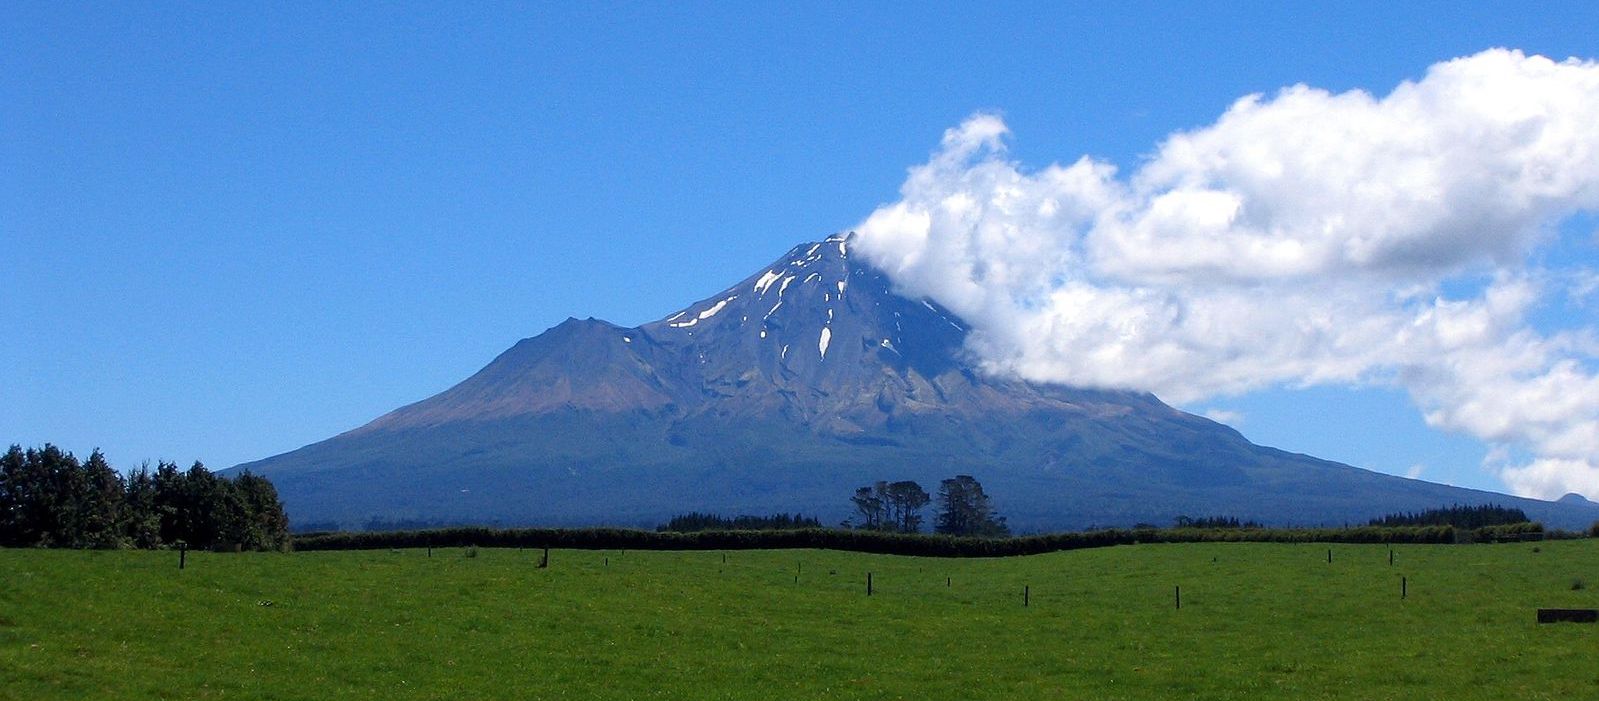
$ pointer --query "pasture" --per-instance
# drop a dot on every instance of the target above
(1257, 621)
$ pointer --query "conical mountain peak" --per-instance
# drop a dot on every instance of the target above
(815, 334)
(784, 392)
(815, 305)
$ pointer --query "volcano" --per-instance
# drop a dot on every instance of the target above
(785, 392)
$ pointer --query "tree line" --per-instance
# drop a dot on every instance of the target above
(695, 521)
(49, 498)
(1469, 517)
(1217, 522)
(896, 507)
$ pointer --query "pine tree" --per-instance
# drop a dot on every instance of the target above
(905, 500)
(43, 508)
(142, 524)
(965, 510)
(268, 526)
(201, 516)
(870, 507)
(100, 505)
(171, 491)
(12, 466)
(73, 502)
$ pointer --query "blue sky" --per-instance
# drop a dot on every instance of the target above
(234, 230)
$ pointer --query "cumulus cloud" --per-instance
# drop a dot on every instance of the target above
(1304, 238)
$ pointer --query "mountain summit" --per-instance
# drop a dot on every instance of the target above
(783, 393)
(808, 339)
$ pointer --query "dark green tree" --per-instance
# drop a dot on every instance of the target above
(964, 510)
(12, 467)
(266, 527)
(871, 507)
(72, 503)
(171, 490)
(42, 506)
(142, 522)
(206, 510)
(904, 501)
(99, 505)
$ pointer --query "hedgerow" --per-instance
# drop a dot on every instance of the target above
(852, 540)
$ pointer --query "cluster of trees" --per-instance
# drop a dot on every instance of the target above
(889, 506)
(695, 521)
(896, 507)
(1469, 517)
(1214, 522)
(49, 498)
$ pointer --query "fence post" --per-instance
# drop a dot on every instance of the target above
(183, 554)
(1177, 593)
(1027, 595)
(868, 583)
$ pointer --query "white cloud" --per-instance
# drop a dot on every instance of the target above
(1415, 471)
(1223, 416)
(1303, 238)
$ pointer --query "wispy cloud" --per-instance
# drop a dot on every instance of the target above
(1223, 416)
(1303, 238)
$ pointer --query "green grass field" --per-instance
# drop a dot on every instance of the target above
(1257, 621)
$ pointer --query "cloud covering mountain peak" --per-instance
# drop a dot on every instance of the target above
(1303, 238)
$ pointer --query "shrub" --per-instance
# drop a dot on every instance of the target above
(1528, 530)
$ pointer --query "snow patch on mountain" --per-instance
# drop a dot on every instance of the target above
(716, 308)
(766, 281)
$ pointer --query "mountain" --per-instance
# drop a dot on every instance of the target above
(784, 393)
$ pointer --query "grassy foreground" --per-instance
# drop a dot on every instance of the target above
(1257, 621)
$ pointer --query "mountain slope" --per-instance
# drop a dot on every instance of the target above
(786, 391)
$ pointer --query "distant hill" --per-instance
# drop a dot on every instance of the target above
(785, 392)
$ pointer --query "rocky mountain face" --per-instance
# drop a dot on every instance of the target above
(783, 393)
